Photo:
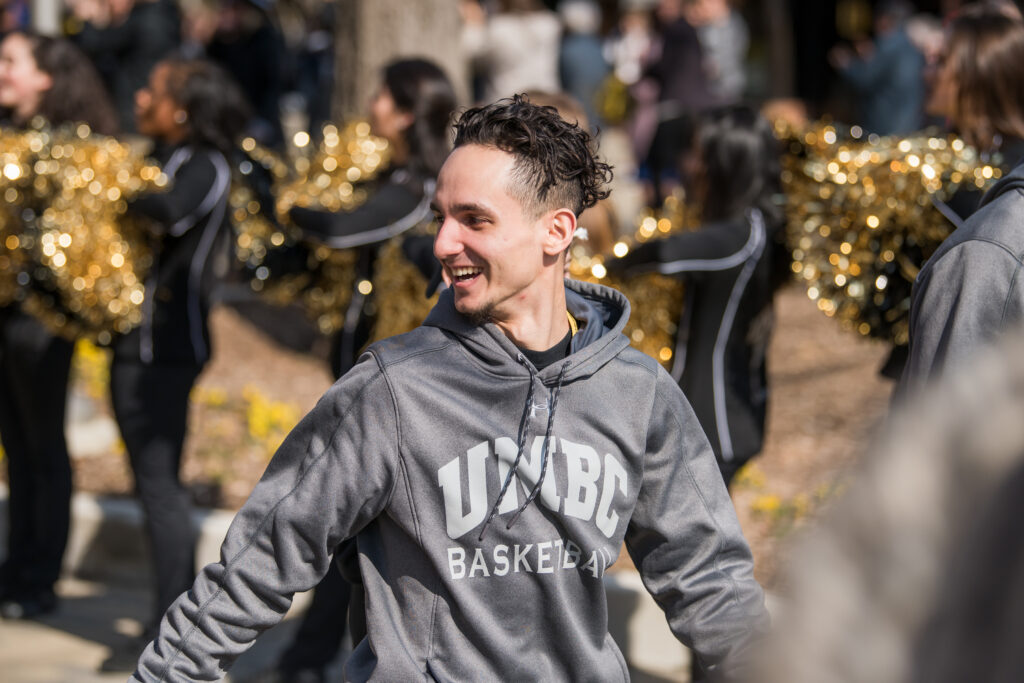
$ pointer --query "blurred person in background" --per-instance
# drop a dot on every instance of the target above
(683, 91)
(581, 65)
(629, 46)
(970, 289)
(679, 71)
(913, 574)
(192, 110)
(730, 266)
(14, 15)
(411, 109)
(314, 59)
(48, 78)
(248, 45)
(928, 35)
(125, 39)
(888, 76)
(724, 39)
(969, 91)
(514, 49)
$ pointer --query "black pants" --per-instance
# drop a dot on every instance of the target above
(318, 638)
(34, 370)
(151, 408)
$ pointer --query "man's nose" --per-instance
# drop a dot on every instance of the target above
(447, 244)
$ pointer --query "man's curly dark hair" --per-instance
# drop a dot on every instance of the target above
(555, 165)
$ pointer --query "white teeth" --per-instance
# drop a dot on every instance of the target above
(465, 272)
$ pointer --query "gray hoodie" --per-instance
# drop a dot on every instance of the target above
(468, 576)
(972, 288)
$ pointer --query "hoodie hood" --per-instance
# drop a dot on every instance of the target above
(1014, 180)
(601, 312)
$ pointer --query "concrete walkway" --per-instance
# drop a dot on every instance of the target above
(70, 644)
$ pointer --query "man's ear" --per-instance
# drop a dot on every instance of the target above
(561, 228)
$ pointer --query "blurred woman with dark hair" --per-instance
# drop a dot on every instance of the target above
(729, 265)
(977, 87)
(51, 78)
(192, 110)
(47, 79)
(969, 291)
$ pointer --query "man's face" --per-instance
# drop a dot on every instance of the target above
(491, 249)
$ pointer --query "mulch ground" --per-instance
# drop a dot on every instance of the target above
(826, 398)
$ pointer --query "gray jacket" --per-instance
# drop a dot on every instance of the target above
(488, 499)
(972, 287)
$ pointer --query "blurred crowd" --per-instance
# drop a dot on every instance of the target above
(645, 66)
(280, 53)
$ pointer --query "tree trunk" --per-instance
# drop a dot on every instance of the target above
(371, 33)
(46, 17)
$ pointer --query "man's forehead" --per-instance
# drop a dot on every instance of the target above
(473, 160)
(472, 171)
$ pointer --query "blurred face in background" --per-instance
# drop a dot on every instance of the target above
(704, 12)
(157, 114)
(943, 87)
(22, 83)
(386, 119)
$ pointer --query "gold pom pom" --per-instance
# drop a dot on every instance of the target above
(400, 288)
(86, 258)
(331, 178)
(861, 221)
(16, 162)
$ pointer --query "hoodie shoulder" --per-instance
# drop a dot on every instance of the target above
(637, 357)
(996, 224)
(420, 341)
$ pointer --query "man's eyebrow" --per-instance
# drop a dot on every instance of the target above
(463, 207)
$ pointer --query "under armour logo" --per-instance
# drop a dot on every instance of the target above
(538, 408)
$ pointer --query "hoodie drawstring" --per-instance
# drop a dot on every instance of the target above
(521, 447)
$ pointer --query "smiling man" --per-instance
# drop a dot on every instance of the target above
(491, 463)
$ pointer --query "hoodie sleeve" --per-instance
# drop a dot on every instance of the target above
(686, 541)
(333, 475)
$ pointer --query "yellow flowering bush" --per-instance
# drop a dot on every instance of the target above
(268, 421)
(90, 369)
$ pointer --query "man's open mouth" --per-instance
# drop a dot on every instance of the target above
(465, 274)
